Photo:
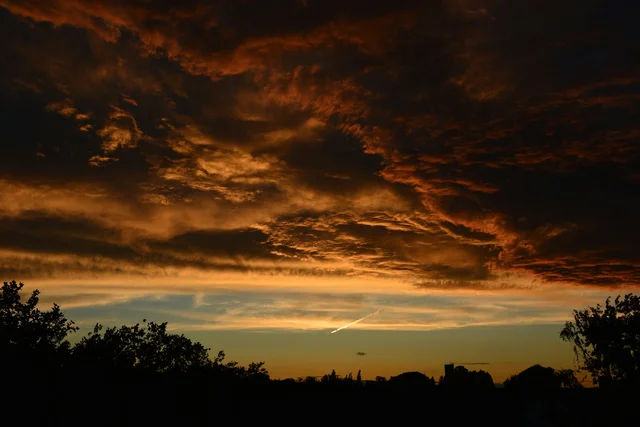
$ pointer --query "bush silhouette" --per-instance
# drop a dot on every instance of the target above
(535, 378)
(413, 379)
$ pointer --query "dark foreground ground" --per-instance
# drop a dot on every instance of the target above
(184, 405)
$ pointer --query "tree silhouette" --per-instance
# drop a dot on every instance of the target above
(535, 378)
(568, 378)
(463, 379)
(606, 340)
(136, 367)
(151, 349)
(255, 371)
(29, 335)
(413, 380)
(310, 380)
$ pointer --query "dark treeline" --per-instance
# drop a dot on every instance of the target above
(144, 375)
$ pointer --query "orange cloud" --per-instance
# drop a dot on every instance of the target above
(408, 141)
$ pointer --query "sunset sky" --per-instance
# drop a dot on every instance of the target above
(260, 173)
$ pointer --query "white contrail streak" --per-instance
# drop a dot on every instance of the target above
(354, 322)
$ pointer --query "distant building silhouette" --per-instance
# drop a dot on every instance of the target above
(448, 369)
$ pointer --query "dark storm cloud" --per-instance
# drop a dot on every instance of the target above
(232, 243)
(449, 144)
(537, 154)
(36, 232)
(37, 246)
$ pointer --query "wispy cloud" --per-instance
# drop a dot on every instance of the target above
(200, 306)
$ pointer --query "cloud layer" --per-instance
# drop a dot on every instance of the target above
(467, 145)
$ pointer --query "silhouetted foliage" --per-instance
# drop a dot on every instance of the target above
(29, 335)
(145, 375)
(413, 379)
(568, 378)
(37, 339)
(606, 340)
(463, 379)
(539, 378)
(254, 372)
(534, 378)
(331, 378)
(149, 348)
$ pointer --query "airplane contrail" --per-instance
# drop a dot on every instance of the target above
(354, 322)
